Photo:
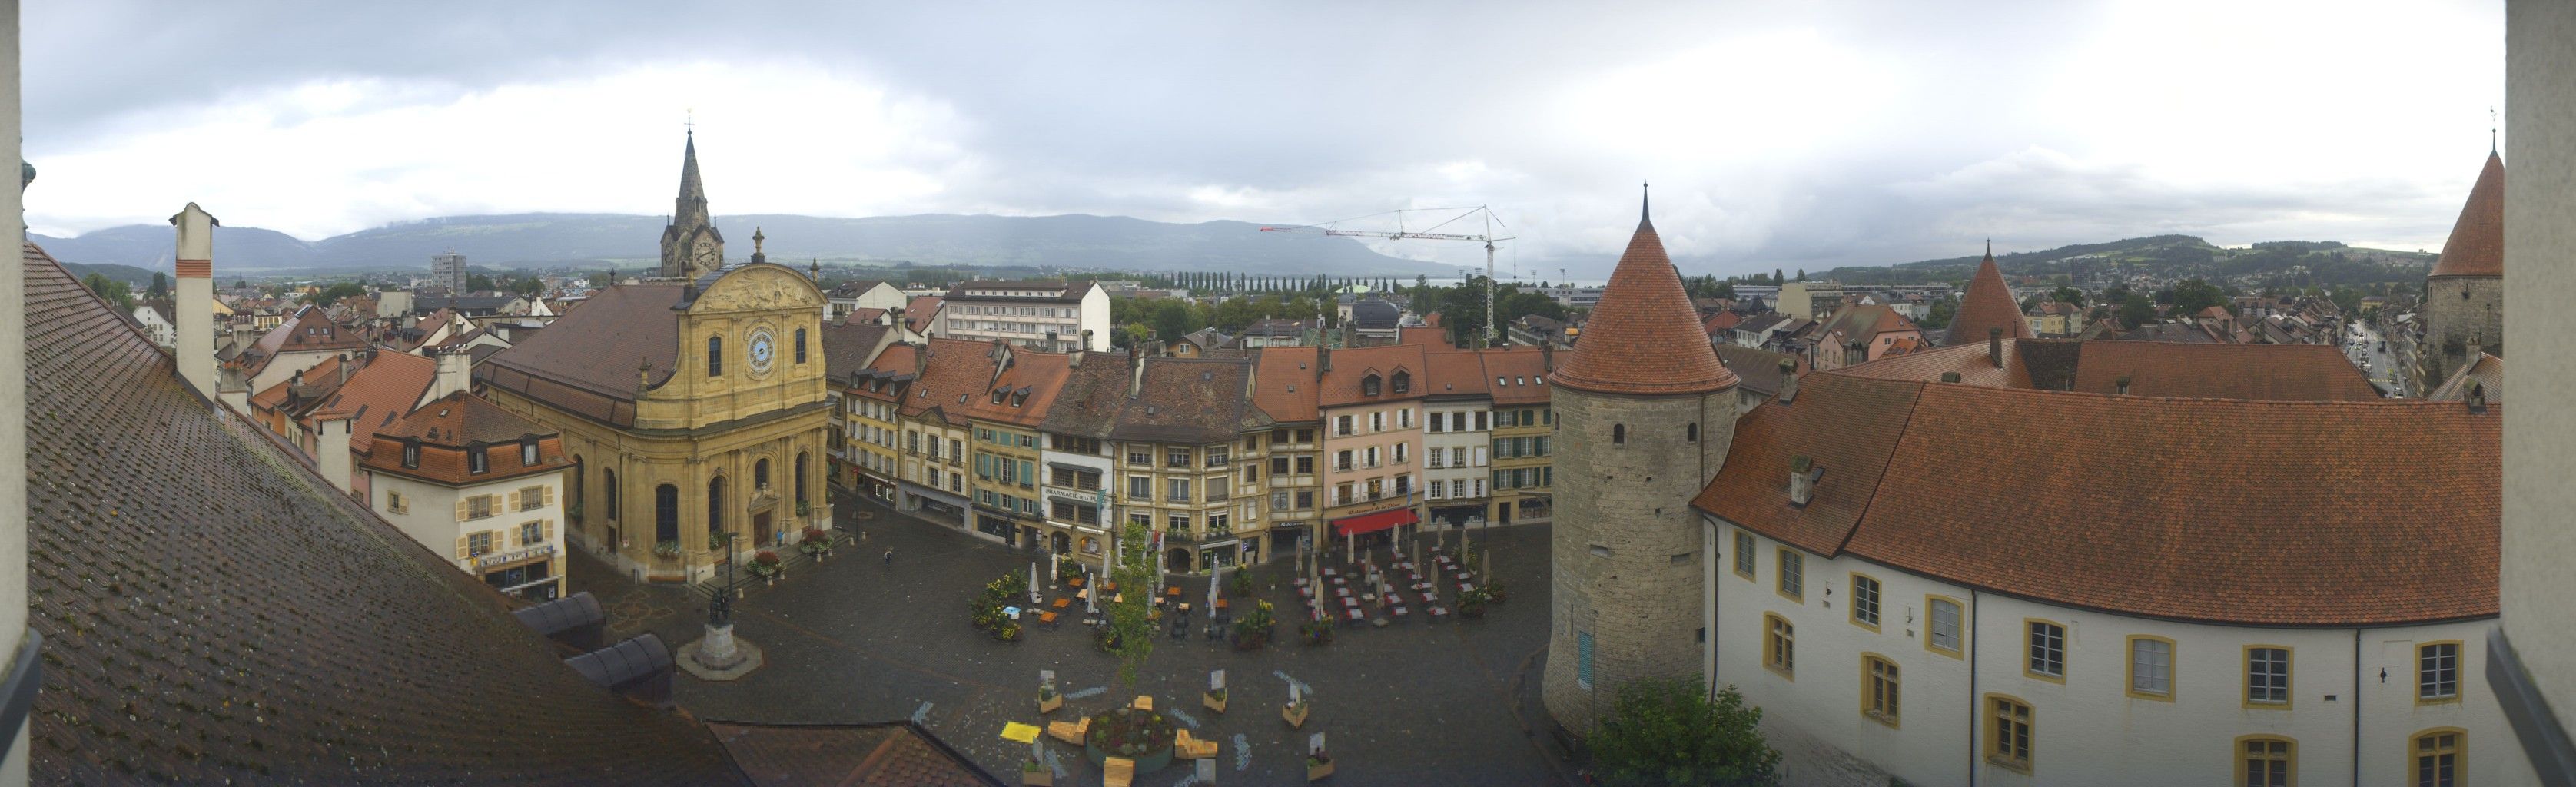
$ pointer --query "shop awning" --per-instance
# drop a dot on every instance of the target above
(1371, 523)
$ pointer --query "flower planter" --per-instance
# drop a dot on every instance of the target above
(1145, 763)
(1040, 777)
(1316, 771)
(1295, 715)
(1049, 704)
(1213, 701)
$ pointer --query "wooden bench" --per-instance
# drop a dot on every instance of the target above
(1188, 748)
(1070, 732)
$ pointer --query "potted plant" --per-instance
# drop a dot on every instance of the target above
(715, 541)
(1318, 766)
(667, 549)
(1252, 631)
(1035, 774)
(1143, 736)
(1295, 712)
(816, 543)
(1214, 699)
(1242, 583)
(1316, 632)
(1471, 604)
(1007, 632)
(1048, 699)
(765, 565)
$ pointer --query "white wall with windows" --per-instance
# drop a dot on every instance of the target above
(2103, 698)
(481, 526)
(1457, 455)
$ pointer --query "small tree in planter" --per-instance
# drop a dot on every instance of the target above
(1318, 763)
(1316, 632)
(1241, 583)
(1471, 604)
(1295, 711)
(1007, 631)
(1048, 699)
(1252, 631)
(1214, 699)
(1035, 774)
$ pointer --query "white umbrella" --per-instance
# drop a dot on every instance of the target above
(1034, 584)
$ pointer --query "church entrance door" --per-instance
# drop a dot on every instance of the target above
(760, 529)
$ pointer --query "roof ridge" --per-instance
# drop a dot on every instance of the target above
(1894, 446)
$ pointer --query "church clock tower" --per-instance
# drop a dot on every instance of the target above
(691, 246)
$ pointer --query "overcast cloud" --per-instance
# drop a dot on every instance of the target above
(1777, 134)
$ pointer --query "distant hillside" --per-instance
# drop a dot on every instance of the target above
(2170, 256)
(586, 239)
(129, 274)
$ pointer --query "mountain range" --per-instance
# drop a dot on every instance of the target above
(590, 240)
(2171, 257)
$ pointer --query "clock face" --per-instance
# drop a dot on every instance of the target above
(762, 350)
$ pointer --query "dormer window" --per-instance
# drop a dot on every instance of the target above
(998, 393)
(1369, 385)
(478, 459)
(1403, 382)
(411, 452)
(528, 451)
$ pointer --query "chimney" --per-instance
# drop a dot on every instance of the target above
(1136, 373)
(2477, 397)
(1086, 338)
(1995, 347)
(1546, 356)
(1788, 380)
(1323, 361)
(1949, 377)
(232, 389)
(2124, 384)
(331, 452)
(455, 373)
(194, 307)
(1802, 480)
(920, 361)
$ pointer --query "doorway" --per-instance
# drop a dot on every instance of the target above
(760, 529)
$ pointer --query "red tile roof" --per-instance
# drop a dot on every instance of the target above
(377, 394)
(1518, 373)
(1721, 322)
(1644, 336)
(2134, 505)
(445, 428)
(214, 613)
(1341, 386)
(1284, 384)
(2260, 372)
(1988, 303)
(2476, 247)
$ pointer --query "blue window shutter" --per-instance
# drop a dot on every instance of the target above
(1583, 658)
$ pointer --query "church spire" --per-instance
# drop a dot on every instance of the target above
(691, 246)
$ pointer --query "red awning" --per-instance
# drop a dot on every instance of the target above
(1371, 523)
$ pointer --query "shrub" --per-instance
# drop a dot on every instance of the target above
(1667, 731)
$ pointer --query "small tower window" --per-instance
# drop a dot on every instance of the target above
(715, 356)
(1618, 434)
(1692, 434)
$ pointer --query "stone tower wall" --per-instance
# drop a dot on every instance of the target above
(2449, 318)
(1632, 500)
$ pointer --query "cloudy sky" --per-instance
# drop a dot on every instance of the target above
(1800, 134)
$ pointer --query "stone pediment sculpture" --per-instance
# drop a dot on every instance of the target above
(764, 288)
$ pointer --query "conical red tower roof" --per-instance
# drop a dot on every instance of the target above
(1988, 303)
(1644, 338)
(2476, 247)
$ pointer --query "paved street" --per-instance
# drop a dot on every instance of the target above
(855, 639)
(2383, 364)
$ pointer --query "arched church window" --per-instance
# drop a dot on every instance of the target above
(800, 345)
(1693, 435)
(1618, 434)
(715, 356)
(666, 514)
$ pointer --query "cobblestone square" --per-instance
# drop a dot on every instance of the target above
(858, 638)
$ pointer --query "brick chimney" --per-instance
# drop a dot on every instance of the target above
(194, 308)
(1788, 380)
(1995, 347)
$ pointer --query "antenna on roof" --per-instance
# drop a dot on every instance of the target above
(1645, 202)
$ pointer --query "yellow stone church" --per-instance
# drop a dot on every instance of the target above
(691, 406)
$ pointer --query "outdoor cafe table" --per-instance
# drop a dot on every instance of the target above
(1398, 612)
(1466, 587)
(1342, 592)
(1328, 571)
(1430, 598)
(1356, 615)
(1438, 612)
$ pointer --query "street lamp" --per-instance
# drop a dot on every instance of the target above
(720, 611)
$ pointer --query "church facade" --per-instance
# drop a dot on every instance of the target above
(690, 408)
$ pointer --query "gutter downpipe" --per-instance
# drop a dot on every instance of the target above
(1975, 703)
(2356, 707)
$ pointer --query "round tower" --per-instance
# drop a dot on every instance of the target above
(2464, 294)
(1644, 414)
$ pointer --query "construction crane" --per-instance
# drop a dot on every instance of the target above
(1494, 329)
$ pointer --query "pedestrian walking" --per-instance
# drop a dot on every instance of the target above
(889, 557)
